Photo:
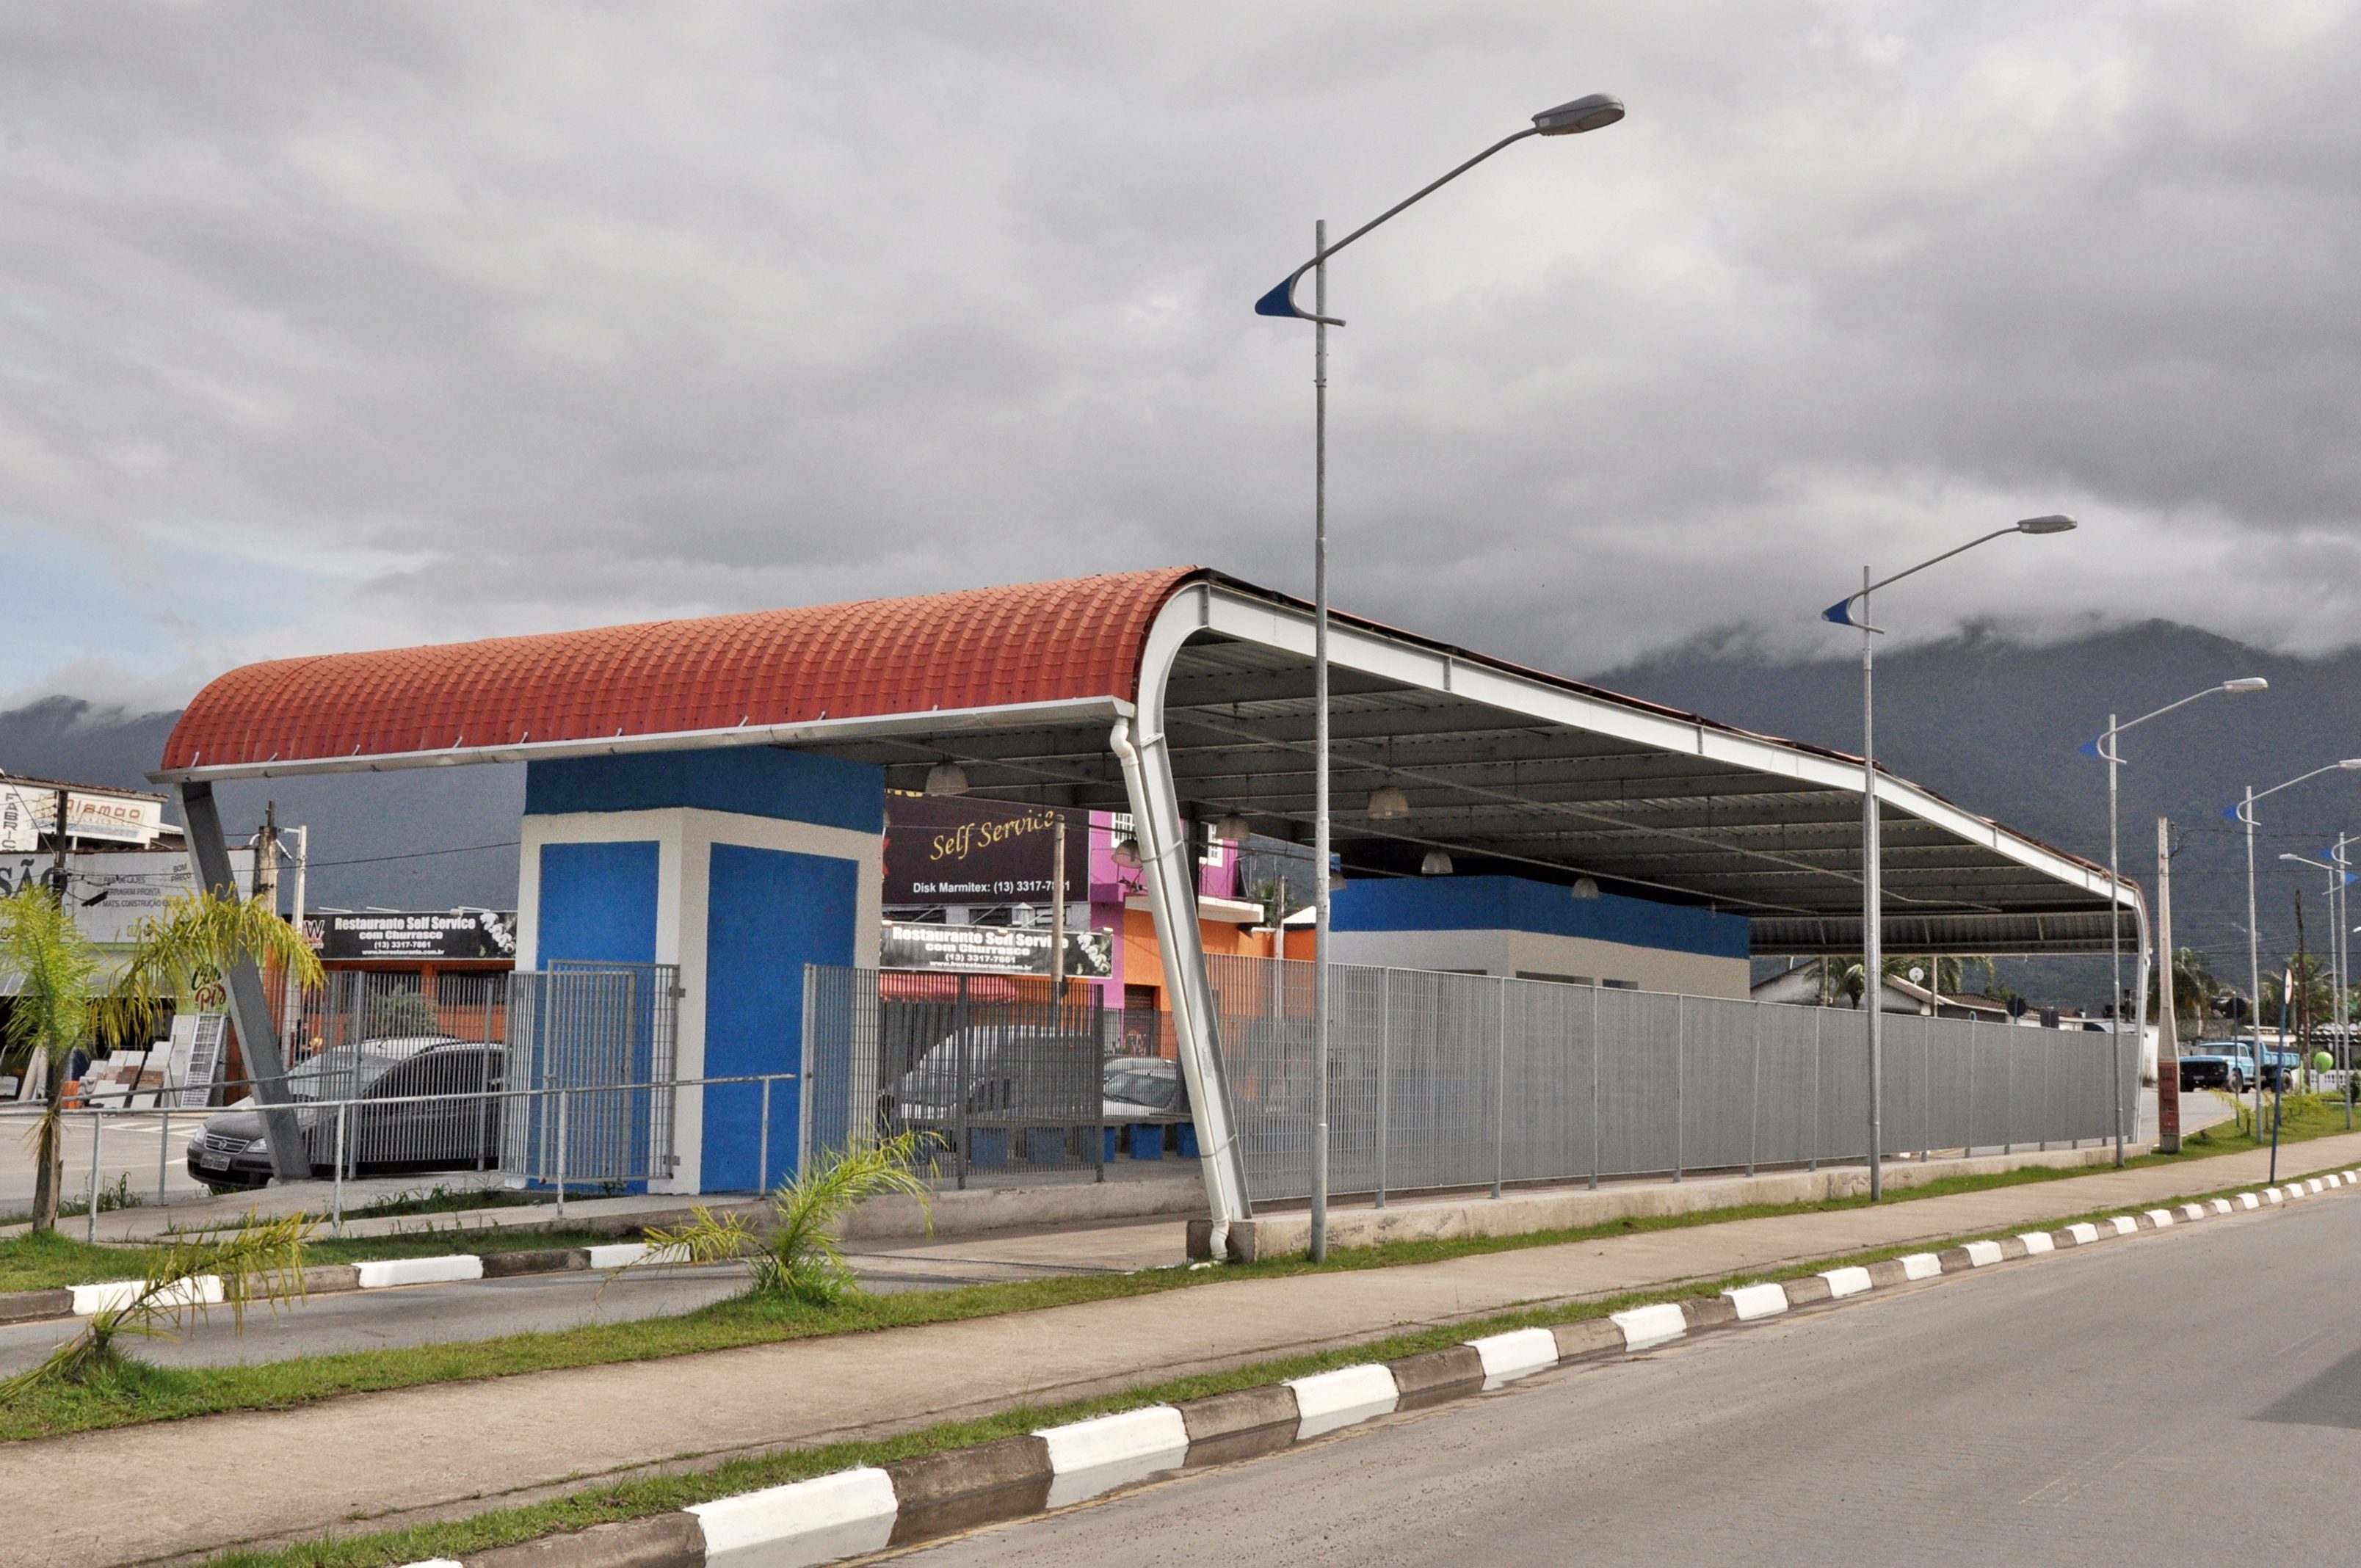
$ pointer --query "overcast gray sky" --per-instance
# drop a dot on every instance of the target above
(339, 325)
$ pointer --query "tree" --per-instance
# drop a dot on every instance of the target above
(180, 959)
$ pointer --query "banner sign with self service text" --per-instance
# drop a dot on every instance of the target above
(991, 949)
(941, 850)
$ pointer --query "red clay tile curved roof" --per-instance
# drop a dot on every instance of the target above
(980, 648)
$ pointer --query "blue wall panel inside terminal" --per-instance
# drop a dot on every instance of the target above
(754, 781)
(768, 914)
(598, 903)
(1514, 904)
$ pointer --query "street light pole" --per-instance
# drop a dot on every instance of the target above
(1595, 112)
(1873, 935)
(2108, 748)
(2344, 971)
(2244, 813)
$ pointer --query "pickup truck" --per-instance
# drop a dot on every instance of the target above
(2218, 1064)
(2230, 1064)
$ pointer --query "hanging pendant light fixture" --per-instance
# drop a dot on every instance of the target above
(1387, 804)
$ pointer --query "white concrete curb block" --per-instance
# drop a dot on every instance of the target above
(2273, 1195)
(1755, 1301)
(2083, 1234)
(2192, 1211)
(1510, 1356)
(1844, 1282)
(2125, 1225)
(2223, 1206)
(2248, 1200)
(1984, 1255)
(1645, 1326)
(1326, 1402)
(2037, 1242)
(808, 1522)
(2159, 1218)
(89, 1301)
(1921, 1266)
(1098, 1455)
(622, 1254)
(418, 1271)
(2314, 1184)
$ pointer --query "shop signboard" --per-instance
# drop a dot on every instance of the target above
(28, 811)
(991, 949)
(942, 850)
(110, 893)
(452, 936)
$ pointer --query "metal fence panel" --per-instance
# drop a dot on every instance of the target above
(992, 1072)
(1439, 1080)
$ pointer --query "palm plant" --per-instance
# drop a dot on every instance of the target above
(56, 968)
(801, 1258)
(180, 959)
(233, 1267)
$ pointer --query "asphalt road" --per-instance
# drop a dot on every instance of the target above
(2192, 1390)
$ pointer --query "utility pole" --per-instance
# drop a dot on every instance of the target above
(292, 1010)
(2167, 1039)
(1058, 912)
(57, 850)
(266, 858)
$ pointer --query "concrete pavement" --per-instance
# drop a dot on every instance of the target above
(394, 1456)
(2089, 1409)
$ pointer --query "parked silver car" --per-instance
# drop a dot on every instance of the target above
(456, 1127)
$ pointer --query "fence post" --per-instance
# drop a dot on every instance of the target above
(1968, 1148)
(1755, 1096)
(762, 1160)
(2008, 1087)
(2045, 1092)
(336, 1181)
(163, 1148)
(563, 1096)
(1385, 1073)
(958, 1090)
(1597, 1046)
(1680, 1083)
(1926, 1092)
(1819, 1016)
(1500, 1095)
(97, 1125)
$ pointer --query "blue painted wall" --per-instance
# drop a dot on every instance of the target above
(768, 914)
(1514, 904)
(599, 902)
(754, 781)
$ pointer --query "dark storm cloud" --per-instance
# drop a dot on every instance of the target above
(478, 319)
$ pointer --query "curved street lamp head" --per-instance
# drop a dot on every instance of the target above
(2247, 684)
(1592, 112)
(2056, 522)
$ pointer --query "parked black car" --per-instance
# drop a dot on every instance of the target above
(386, 1131)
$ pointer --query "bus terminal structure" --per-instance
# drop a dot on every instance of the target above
(710, 792)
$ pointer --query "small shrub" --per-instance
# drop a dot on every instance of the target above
(801, 1259)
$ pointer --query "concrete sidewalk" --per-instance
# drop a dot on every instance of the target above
(460, 1448)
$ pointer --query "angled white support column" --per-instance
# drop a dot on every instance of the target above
(1139, 746)
(249, 1009)
(1173, 900)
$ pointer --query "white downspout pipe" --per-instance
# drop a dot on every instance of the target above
(1184, 973)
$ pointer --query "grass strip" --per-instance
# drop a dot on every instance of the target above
(44, 1263)
(142, 1393)
(641, 1496)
